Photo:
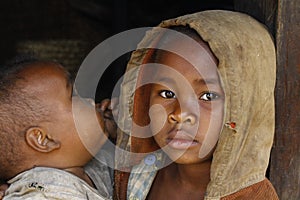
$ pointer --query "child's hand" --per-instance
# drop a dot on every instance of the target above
(3, 188)
(108, 110)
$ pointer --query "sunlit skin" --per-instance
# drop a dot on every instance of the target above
(72, 145)
(193, 106)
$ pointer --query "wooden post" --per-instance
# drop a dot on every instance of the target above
(282, 17)
(285, 160)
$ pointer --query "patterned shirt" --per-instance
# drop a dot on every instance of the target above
(142, 176)
(51, 183)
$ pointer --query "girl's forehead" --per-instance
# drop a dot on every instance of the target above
(199, 65)
(187, 47)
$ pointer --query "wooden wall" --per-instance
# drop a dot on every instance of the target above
(283, 19)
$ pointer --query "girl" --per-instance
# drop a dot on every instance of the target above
(198, 107)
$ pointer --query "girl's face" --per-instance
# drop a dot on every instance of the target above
(187, 105)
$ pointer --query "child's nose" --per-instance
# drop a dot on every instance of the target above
(182, 117)
(184, 112)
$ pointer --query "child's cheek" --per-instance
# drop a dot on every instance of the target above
(89, 124)
(158, 117)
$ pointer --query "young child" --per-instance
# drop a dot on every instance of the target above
(202, 107)
(48, 134)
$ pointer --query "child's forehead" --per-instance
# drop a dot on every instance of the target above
(200, 64)
(183, 40)
(188, 49)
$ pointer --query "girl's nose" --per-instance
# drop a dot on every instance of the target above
(185, 118)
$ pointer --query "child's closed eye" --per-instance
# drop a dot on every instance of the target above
(167, 94)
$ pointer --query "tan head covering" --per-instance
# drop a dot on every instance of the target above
(247, 68)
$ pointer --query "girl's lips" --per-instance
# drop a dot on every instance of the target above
(181, 144)
(180, 139)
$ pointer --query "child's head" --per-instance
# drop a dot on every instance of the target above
(247, 69)
(40, 123)
(187, 100)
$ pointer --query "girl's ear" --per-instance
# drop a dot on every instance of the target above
(38, 139)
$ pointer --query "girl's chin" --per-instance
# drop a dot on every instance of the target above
(182, 157)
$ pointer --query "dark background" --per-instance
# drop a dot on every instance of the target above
(67, 30)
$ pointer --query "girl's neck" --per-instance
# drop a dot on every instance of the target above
(178, 181)
(195, 176)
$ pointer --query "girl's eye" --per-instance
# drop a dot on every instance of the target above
(209, 96)
(167, 94)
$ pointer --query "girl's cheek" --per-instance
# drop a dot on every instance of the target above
(158, 117)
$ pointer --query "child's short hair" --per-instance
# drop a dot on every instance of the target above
(18, 111)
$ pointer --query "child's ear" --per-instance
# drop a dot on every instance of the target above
(38, 139)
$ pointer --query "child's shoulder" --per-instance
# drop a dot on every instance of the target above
(48, 183)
